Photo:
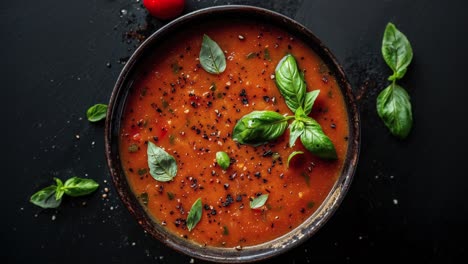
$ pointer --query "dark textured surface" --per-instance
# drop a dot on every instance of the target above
(407, 197)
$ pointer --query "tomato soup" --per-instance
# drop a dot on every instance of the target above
(190, 113)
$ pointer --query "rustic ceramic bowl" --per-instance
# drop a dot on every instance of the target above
(250, 253)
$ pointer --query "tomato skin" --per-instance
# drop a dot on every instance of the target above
(164, 9)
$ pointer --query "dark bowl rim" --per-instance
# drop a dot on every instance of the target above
(331, 202)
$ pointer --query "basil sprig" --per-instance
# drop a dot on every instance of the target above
(162, 165)
(211, 56)
(393, 103)
(51, 197)
(260, 127)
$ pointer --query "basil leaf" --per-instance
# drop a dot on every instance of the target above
(162, 166)
(310, 100)
(394, 108)
(194, 215)
(292, 155)
(396, 51)
(295, 131)
(259, 201)
(316, 141)
(290, 82)
(259, 127)
(78, 186)
(45, 198)
(211, 56)
(223, 159)
(59, 189)
(96, 112)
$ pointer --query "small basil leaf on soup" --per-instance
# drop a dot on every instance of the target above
(223, 159)
(315, 141)
(96, 112)
(260, 127)
(394, 108)
(59, 191)
(162, 165)
(295, 131)
(259, 201)
(290, 82)
(194, 215)
(310, 100)
(292, 155)
(211, 57)
(396, 51)
(45, 198)
(79, 186)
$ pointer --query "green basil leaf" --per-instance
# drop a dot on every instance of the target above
(45, 198)
(211, 56)
(295, 131)
(290, 82)
(223, 159)
(163, 167)
(96, 112)
(310, 100)
(59, 191)
(259, 201)
(78, 186)
(315, 141)
(259, 127)
(194, 215)
(396, 51)
(394, 108)
(292, 155)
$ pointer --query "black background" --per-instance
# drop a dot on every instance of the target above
(60, 57)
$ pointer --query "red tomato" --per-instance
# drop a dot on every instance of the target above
(164, 9)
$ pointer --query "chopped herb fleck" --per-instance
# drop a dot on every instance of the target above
(213, 87)
(306, 178)
(165, 104)
(251, 55)
(133, 148)
(225, 231)
(175, 67)
(266, 55)
(171, 139)
(143, 91)
(170, 196)
(144, 198)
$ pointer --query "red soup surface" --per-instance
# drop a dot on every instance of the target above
(190, 113)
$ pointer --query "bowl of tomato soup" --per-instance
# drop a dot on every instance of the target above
(232, 134)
